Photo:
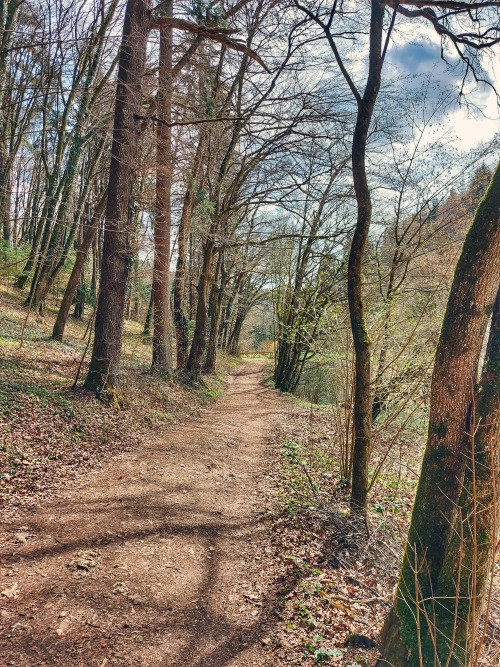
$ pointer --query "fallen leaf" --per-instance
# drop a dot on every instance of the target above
(63, 626)
(12, 592)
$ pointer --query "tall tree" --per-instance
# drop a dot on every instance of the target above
(365, 103)
(449, 27)
(89, 233)
(162, 350)
(435, 609)
(12, 122)
(103, 373)
(193, 185)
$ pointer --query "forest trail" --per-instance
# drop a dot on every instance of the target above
(160, 558)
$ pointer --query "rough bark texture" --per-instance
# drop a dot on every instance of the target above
(105, 363)
(361, 339)
(445, 475)
(468, 558)
(162, 350)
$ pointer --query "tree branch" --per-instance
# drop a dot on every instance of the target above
(213, 33)
(178, 123)
(333, 46)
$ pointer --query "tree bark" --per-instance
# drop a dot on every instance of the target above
(5, 190)
(234, 339)
(104, 370)
(162, 350)
(445, 478)
(468, 558)
(215, 308)
(194, 363)
(146, 332)
(8, 16)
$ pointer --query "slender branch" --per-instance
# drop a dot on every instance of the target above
(426, 12)
(450, 4)
(178, 123)
(333, 46)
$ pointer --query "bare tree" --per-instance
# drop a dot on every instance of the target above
(449, 26)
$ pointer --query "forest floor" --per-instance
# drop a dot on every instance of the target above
(51, 432)
(159, 557)
(179, 532)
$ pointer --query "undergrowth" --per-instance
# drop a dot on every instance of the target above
(345, 577)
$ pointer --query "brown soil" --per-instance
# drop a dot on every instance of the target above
(160, 558)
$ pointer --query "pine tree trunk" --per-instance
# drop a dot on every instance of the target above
(162, 350)
(445, 481)
(104, 370)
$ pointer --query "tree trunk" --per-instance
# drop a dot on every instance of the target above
(104, 367)
(95, 263)
(234, 339)
(195, 359)
(469, 555)
(228, 310)
(74, 279)
(445, 478)
(215, 306)
(361, 339)
(30, 262)
(147, 322)
(55, 225)
(5, 191)
(79, 310)
(162, 350)
(180, 319)
(58, 252)
(8, 17)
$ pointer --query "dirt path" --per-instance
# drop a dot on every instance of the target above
(158, 559)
